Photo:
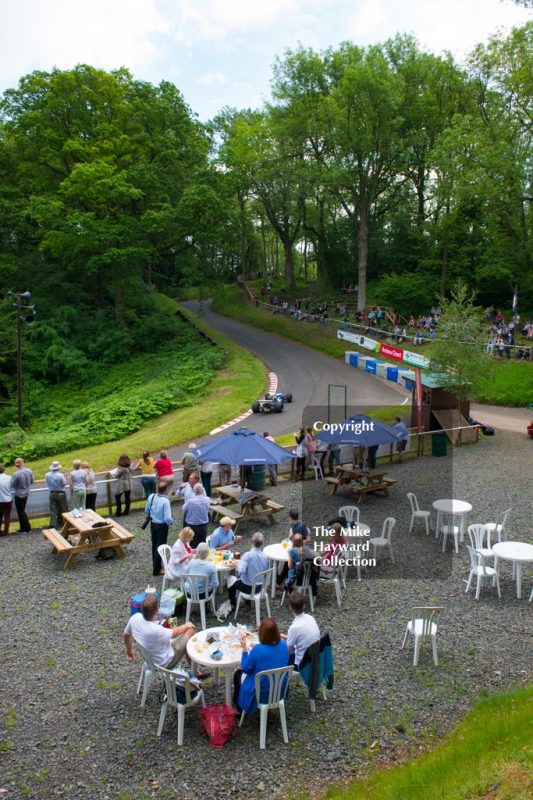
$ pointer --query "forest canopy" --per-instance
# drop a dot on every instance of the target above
(384, 166)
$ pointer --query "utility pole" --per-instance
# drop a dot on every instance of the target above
(29, 320)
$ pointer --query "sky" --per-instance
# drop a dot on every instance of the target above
(220, 52)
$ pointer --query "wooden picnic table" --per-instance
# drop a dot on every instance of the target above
(110, 534)
(365, 482)
(251, 505)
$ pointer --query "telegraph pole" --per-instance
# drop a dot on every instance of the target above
(29, 320)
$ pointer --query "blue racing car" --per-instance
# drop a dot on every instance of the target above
(272, 402)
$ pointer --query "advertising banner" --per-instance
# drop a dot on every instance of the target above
(415, 359)
(391, 352)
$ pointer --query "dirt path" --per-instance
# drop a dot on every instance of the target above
(507, 419)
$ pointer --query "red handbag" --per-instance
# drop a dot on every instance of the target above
(218, 721)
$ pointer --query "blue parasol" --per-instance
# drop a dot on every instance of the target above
(358, 430)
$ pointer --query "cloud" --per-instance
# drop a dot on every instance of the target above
(210, 78)
(217, 19)
(103, 33)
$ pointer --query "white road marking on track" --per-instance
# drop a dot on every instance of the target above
(405, 401)
(272, 389)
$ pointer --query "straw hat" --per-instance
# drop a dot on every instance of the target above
(226, 521)
(55, 465)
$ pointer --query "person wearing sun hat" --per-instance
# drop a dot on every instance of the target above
(57, 484)
(223, 538)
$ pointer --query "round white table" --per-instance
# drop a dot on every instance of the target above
(518, 553)
(457, 507)
(276, 553)
(230, 659)
(223, 568)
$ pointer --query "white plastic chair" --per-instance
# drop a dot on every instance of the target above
(385, 539)
(350, 513)
(256, 597)
(305, 586)
(148, 671)
(498, 527)
(423, 623)
(416, 513)
(165, 552)
(172, 680)
(451, 526)
(208, 540)
(278, 680)
(316, 467)
(480, 541)
(314, 651)
(479, 568)
(335, 581)
(194, 582)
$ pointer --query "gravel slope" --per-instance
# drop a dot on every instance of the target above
(71, 723)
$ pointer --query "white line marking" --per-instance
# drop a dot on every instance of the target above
(405, 401)
(272, 389)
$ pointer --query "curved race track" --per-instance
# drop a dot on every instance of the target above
(302, 371)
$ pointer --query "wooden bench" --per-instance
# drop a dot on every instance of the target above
(224, 511)
(335, 483)
(274, 506)
(121, 533)
(390, 481)
(59, 543)
(362, 491)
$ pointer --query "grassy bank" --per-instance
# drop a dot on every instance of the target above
(490, 757)
(233, 388)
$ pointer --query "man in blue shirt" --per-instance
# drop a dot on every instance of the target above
(57, 484)
(201, 566)
(196, 514)
(401, 445)
(251, 564)
(224, 537)
(158, 507)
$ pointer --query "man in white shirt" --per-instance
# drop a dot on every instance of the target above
(6, 501)
(303, 632)
(186, 490)
(167, 646)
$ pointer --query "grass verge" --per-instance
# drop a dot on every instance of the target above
(240, 381)
(489, 756)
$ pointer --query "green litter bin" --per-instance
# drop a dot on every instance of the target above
(439, 444)
(258, 478)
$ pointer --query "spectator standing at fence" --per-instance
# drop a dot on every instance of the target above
(90, 496)
(189, 462)
(124, 484)
(148, 477)
(6, 501)
(224, 474)
(402, 444)
(57, 484)
(301, 454)
(271, 468)
(163, 468)
(206, 473)
(78, 485)
(20, 484)
(334, 456)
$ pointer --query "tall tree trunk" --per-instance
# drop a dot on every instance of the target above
(243, 238)
(444, 265)
(289, 266)
(363, 255)
(305, 260)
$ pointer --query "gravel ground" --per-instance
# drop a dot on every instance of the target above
(71, 723)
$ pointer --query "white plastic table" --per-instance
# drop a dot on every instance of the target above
(228, 660)
(276, 553)
(518, 553)
(457, 507)
(223, 569)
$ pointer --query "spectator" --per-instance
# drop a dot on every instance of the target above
(334, 456)
(92, 491)
(57, 484)
(201, 566)
(167, 646)
(271, 467)
(311, 444)
(206, 472)
(148, 477)
(298, 553)
(411, 322)
(190, 462)
(321, 452)
(401, 445)
(336, 544)
(6, 501)
(271, 653)
(181, 554)
(223, 537)
(297, 526)
(124, 477)
(196, 514)
(158, 508)
(301, 454)
(20, 484)
(303, 631)
(251, 564)
(164, 471)
(78, 485)
(186, 490)
(224, 474)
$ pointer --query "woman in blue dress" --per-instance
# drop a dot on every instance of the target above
(271, 653)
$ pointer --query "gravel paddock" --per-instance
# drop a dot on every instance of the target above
(71, 724)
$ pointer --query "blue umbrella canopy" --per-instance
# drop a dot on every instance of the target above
(242, 447)
(358, 430)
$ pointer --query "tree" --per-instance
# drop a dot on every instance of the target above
(458, 357)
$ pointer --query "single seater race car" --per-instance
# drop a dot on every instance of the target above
(272, 402)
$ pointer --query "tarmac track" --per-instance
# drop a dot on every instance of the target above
(303, 372)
